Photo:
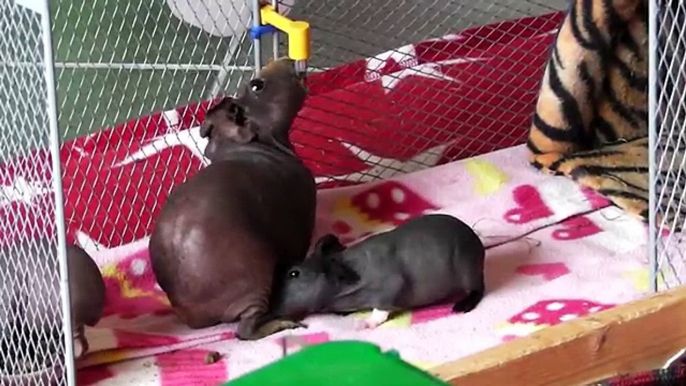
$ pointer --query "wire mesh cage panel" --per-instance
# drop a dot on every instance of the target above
(450, 79)
(400, 41)
(347, 30)
(32, 332)
(669, 143)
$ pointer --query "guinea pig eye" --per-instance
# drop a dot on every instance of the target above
(292, 274)
(256, 85)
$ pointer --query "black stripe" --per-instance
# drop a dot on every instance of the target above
(625, 38)
(618, 107)
(595, 153)
(576, 31)
(556, 57)
(615, 24)
(635, 81)
(601, 170)
(617, 169)
(644, 213)
(587, 79)
(629, 42)
(606, 172)
(621, 194)
(570, 108)
(532, 147)
(556, 165)
(551, 132)
(605, 128)
(592, 29)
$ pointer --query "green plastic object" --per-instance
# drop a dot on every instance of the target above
(339, 363)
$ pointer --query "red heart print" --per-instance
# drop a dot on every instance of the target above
(530, 206)
(575, 228)
(549, 271)
(596, 200)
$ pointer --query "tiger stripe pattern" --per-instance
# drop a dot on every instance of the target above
(591, 118)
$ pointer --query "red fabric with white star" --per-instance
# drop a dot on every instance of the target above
(473, 92)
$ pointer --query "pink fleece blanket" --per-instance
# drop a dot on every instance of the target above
(581, 256)
(423, 104)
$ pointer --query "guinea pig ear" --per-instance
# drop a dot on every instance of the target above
(225, 105)
(328, 243)
(205, 129)
(340, 272)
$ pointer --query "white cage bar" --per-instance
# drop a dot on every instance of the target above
(123, 60)
(668, 142)
(35, 317)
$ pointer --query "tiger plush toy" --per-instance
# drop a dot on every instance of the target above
(591, 117)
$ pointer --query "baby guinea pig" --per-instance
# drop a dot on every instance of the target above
(87, 292)
(30, 321)
(424, 261)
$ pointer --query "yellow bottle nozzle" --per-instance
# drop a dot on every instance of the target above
(298, 32)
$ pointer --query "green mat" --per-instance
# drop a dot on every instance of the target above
(339, 363)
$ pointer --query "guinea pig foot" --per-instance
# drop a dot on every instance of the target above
(377, 318)
(268, 328)
(470, 302)
(80, 346)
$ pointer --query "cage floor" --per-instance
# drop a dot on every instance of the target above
(420, 105)
(584, 256)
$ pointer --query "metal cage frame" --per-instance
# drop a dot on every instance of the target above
(29, 22)
(664, 48)
(667, 140)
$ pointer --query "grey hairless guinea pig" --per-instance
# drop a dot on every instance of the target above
(426, 260)
(223, 233)
(30, 319)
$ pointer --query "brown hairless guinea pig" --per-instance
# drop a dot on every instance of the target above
(30, 319)
(223, 233)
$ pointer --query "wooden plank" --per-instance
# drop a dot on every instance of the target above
(632, 337)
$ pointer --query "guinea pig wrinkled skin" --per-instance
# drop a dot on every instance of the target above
(223, 233)
(30, 319)
(426, 260)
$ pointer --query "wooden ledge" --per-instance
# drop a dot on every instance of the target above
(636, 336)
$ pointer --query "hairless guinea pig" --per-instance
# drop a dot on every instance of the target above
(426, 260)
(30, 316)
(223, 233)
